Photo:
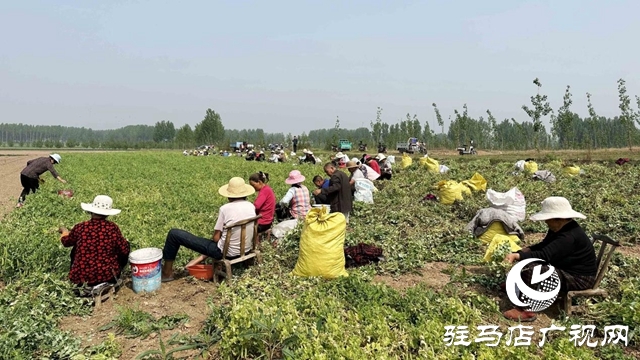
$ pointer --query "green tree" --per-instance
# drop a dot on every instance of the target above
(164, 131)
(540, 109)
(185, 137)
(210, 130)
(376, 127)
(593, 120)
(626, 116)
(439, 119)
(71, 143)
(494, 128)
(563, 123)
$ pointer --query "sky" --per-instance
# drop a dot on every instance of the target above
(294, 66)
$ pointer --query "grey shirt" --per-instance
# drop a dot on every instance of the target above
(39, 166)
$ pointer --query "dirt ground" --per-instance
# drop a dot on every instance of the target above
(11, 164)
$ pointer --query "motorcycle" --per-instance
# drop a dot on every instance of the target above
(463, 150)
(382, 149)
(362, 147)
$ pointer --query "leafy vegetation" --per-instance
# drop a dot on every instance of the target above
(265, 312)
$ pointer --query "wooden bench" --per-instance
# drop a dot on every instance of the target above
(607, 247)
(222, 268)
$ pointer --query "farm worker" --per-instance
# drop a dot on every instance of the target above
(297, 198)
(372, 163)
(385, 167)
(238, 208)
(100, 252)
(566, 247)
(309, 157)
(282, 157)
(356, 172)
(295, 143)
(261, 156)
(321, 183)
(30, 175)
(339, 191)
(265, 202)
(341, 157)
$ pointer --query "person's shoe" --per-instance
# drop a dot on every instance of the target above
(520, 315)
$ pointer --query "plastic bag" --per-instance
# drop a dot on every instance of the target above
(531, 167)
(496, 228)
(449, 191)
(322, 245)
(520, 165)
(444, 169)
(364, 191)
(281, 229)
(497, 241)
(406, 161)
(391, 159)
(476, 183)
(431, 164)
(512, 201)
(572, 170)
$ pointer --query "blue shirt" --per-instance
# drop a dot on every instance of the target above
(325, 184)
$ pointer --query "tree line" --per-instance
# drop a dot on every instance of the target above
(568, 131)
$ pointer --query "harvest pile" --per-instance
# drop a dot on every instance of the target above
(266, 312)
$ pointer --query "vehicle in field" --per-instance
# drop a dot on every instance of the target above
(362, 147)
(411, 146)
(464, 150)
(240, 146)
(344, 145)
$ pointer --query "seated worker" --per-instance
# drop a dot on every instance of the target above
(274, 158)
(566, 247)
(356, 172)
(321, 184)
(309, 158)
(297, 199)
(99, 252)
(261, 157)
(238, 208)
(282, 157)
(265, 202)
(251, 155)
(385, 167)
(372, 163)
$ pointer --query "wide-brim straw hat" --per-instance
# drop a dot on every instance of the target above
(236, 188)
(295, 177)
(351, 165)
(339, 155)
(101, 205)
(556, 207)
(380, 156)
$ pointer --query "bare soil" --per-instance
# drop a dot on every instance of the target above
(11, 164)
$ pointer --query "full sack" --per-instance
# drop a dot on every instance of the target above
(497, 241)
(530, 167)
(406, 161)
(449, 191)
(512, 202)
(322, 245)
(572, 170)
(431, 164)
(364, 191)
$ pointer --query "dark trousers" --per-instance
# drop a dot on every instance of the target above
(264, 227)
(29, 185)
(385, 176)
(295, 147)
(177, 238)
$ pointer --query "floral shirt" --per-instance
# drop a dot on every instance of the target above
(99, 251)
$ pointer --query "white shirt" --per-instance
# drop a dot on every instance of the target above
(371, 174)
(357, 175)
(230, 213)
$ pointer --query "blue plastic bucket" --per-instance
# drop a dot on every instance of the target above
(146, 269)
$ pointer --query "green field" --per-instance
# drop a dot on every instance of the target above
(266, 313)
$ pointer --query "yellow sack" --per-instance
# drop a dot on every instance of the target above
(494, 229)
(572, 170)
(476, 183)
(322, 245)
(449, 191)
(431, 164)
(498, 240)
(406, 161)
(530, 167)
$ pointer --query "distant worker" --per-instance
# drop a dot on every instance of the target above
(30, 175)
(295, 144)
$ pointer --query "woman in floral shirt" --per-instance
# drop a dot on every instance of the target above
(100, 252)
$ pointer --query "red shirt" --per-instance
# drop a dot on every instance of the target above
(266, 205)
(98, 250)
(374, 165)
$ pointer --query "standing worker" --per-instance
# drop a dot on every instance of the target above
(295, 144)
(30, 175)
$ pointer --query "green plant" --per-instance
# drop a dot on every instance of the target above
(134, 322)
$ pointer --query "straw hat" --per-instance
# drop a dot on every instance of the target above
(380, 156)
(102, 205)
(339, 155)
(236, 188)
(357, 161)
(304, 151)
(556, 207)
(295, 177)
(55, 158)
(352, 164)
(309, 152)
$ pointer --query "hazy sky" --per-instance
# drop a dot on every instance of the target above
(293, 66)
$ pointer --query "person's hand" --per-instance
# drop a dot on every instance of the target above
(510, 258)
(63, 181)
(62, 230)
(317, 191)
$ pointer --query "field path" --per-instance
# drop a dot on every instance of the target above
(11, 164)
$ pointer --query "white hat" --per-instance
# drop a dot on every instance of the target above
(309, 152)
(355, 160)
(261, 152)
(339, 154)
(102, 205)
(236, 188)
(380, 156)
(304, 151)
(55, 158)
(556, 207)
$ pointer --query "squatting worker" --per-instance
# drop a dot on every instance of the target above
(30, 175)
(566, 247)
(338, 192)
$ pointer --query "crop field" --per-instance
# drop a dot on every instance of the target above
(434, 274)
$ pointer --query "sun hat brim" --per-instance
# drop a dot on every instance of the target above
(571, 214)
(295, 180)
(246, 191)
(106, 212)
